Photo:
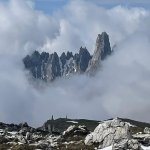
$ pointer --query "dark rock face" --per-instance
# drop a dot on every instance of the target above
(35, 63)
(69, 55)
(47, 66)
(84, 58)
(63, 59)
(105, 45)
(55, 65)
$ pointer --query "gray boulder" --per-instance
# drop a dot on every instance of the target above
(125, 144)
(105, 134)
(22, 139)
(147, 130)
(76, 130)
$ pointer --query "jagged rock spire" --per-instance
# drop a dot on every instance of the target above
(47, 66)
(84, 58)
(104, 45)
(102, 49)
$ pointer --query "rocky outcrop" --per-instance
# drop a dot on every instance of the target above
(147, 130)
(105, 134)
(72, 138)
(104, 45)
(50, 66)
(113, 134)
(126, 144)
(102, 50)
(142, 138)
(76, 130)
(47, 66)
(117, 134)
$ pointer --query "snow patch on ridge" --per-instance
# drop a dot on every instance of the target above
(72, 122)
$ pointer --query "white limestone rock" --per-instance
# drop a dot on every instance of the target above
(125, 144)
(107, 132)
(147, 130)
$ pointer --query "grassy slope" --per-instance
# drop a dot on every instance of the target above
(139, 126)
(62, 123)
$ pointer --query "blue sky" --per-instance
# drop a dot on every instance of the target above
(48, 6)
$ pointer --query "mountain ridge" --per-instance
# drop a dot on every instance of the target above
(48, 67)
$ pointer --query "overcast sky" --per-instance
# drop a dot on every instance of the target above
(120, 88)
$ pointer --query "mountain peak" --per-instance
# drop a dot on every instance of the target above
(102, 50)
(47, 66)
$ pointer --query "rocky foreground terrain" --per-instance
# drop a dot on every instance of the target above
(67, 134)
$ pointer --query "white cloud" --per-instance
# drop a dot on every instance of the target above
(81, 21)
(121, 88)
(23, 27)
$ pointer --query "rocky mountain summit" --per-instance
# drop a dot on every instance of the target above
(48, 67)
(113, 134)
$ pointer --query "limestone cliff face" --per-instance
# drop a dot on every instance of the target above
(102, 50)
(47, 66)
